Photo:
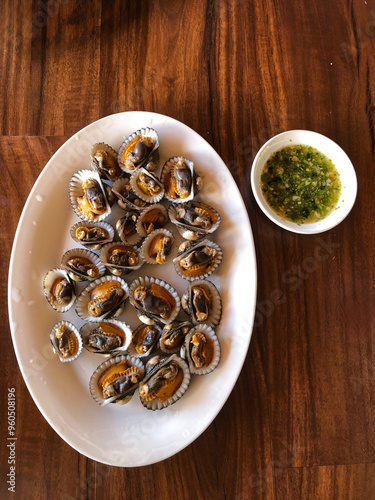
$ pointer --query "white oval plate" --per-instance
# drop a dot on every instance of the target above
(126, 435)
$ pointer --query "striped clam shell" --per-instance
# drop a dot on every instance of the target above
(159, 404)
(121, 398)
(76, 191)
(75, 340)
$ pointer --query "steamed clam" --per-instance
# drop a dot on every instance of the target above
(173, 336)
(181, 182)
(202, 302)
(66, 341)
(126, 228)
(119, 258)
(146, 186)
(154, 300)
(157, 246)
(103, 298)
(138, 149)
(106, 337)
(82, 265)
(194, 219)
(145, 339)
(92, 236)
(116, 379)
(152, 217)
(197, 260)
(201, 350)
(127, 199)
(165, 383)
(104, 160)
(59, 289)
(88, 196)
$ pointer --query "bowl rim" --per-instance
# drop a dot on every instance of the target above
(332, 219)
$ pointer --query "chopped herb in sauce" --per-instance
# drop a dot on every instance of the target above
(301, 184)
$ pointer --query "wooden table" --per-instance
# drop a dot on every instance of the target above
(300, 421)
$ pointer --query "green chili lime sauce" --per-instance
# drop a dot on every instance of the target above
(301, 184)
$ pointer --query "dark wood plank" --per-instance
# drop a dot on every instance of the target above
(159, 59)
(354, 482)
(50, 60)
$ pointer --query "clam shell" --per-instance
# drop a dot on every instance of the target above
(216, 306)
(123, 202)
(87, 328)
(150, 318)
(142, 133)
(134, 238)
(75, 190)
(157, 404)
(209, 333)
(132, 348)
(73, 329)
(195, 184)
(90, 225)
(97, 393)
(139, 227)
(84, 299)
(48, 281)
(168, 331)
(87, 254)
(118, 270)
(145, 248)
(188, 231)
(138, 191)
(181, 271)
(101, 146)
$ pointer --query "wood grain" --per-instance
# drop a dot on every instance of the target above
(300, 420)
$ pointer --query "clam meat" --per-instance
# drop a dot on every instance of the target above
(93, 201)
(105, 298)
(160, 247)
(105, 337)
(118, 379)
(199, 260)
(155, 300)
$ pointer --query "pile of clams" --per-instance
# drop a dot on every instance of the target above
(134, 216)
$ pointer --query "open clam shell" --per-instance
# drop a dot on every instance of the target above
(108, 336)
(66, 341)
(144, 340)
(173, 336)
(92, 235)
(202, 303)
(146, 186)
(104, 298)
(119, 258)
(194, 219)
(126, 228)
(201, 350)
(82, 265)
(138, 149)
(126, 198)
(104, 161)
(165, 383)
(151, 218)
(98, 197)
(58, 289)
(157, 246)
(198, 260)
(154, 299)
(181, 182)
(116, 379)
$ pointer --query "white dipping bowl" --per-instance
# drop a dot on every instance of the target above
(332, 151)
